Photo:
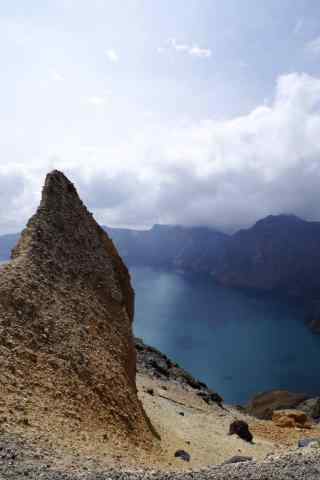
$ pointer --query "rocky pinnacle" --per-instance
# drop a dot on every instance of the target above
(67, 358)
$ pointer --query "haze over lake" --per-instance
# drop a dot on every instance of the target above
(238, 342)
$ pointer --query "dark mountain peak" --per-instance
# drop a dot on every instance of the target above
(186, 228)
(276, 220)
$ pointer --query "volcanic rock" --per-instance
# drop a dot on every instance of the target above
(290, 418)
(305, 442)
(183, 455)
(237, 459)
(264, 404)
(241, 428)
(152, 362)
(67, 356)
(311, 407)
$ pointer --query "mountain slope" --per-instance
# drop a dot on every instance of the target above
(193, 248)
(278, 253)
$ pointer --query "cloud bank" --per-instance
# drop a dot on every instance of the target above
(220, 173)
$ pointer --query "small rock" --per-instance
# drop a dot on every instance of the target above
(150, 391)
(237, 459)
(241, 428)
(183, 455)
(311, 407)
(314, 445)
(210, 397)
(305, 442)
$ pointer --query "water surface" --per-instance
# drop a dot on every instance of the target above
(238, 342)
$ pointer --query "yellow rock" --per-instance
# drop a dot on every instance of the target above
(290, 418)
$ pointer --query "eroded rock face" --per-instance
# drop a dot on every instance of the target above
(67, 357)
(290, 418)
(264, 404)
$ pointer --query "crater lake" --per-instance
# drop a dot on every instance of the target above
(239, 342)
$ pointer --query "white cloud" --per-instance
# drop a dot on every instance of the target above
(222, 173)
(192, 50)
(15, 198)
(179, 47)
(112, 56)
(200, 52)
(313, 46)
(56, 75)
(97, 100)
(225, 173)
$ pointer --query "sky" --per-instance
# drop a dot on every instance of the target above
(191, 112)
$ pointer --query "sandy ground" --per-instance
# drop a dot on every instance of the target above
(185, 421)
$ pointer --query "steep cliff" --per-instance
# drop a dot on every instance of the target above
(171, 246)
(280, 252)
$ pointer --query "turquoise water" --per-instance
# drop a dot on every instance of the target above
(238, 342)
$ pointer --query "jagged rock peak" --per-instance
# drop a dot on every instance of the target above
(66, 311)
(63, 238)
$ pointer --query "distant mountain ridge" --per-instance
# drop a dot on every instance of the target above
(7, 242)
(279, 252)
(165, 246)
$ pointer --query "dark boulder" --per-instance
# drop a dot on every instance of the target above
(183, 455)
(241, 428)
(210, 397)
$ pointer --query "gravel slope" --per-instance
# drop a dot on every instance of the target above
(187, 415)
(16, 462)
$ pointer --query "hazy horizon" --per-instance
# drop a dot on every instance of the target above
(228, 231)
